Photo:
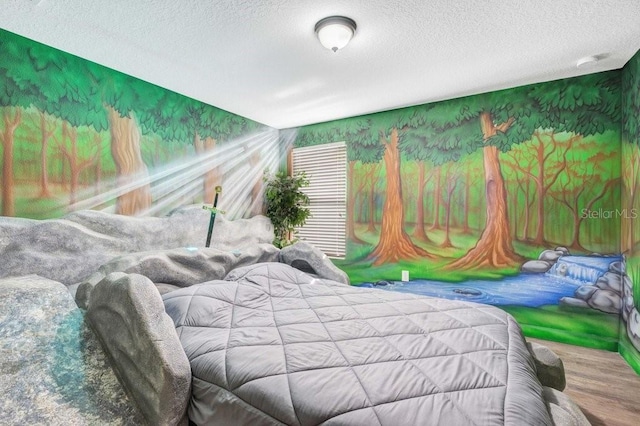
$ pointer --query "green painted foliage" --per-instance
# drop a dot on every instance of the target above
(77, 91)
(631, 100)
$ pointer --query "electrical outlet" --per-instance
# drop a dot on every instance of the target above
(405, 276)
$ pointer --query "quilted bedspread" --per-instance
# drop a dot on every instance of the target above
(273, 345)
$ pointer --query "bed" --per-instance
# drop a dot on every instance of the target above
(270, 344)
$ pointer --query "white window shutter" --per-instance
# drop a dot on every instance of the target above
(326, 168)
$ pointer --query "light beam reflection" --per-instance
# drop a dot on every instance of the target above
(239, 165)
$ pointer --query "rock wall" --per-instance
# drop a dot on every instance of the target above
(70, 249)
(53, 370)
(128, 315)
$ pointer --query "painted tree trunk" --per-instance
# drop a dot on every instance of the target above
(467, 199)
(361, 210)
(419, 232)
(45, 134)
(494, 249)
(11, 118)
(539, 184)
(513, 210)
(372, 206)
(72, 157)
(447, 223)
(578, 218)
(394, 244)
(436, 198)
(98, 171)
(527, 206)
(351, 201)
(630, 169)
(575, 234)
(130, 169)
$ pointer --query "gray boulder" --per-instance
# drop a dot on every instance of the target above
(536, 266)
(128, 315)
(627, 297)
(70, 249)
(605, 301)
(563, 411)
(549, 366)
(564, 250)
(53, 370)
(633, 328)
(550, 255)
(585, 292)
(307, 258)
(617, 267)
(610, 281)
(573, 302)
(180, 267)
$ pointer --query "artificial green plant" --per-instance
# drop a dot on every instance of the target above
(286, 205)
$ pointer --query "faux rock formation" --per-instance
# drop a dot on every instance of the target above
(180, 267)
(549, 366)
(128, 315)
(53, 370)
(70, 249)
(563, 411)
(309, 259)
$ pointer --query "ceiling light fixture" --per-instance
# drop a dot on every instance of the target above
(587, 62)
(335, 32)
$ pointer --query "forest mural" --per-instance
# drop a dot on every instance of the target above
(77, 135)
(463, 193)
(630, 329)
(460, 193)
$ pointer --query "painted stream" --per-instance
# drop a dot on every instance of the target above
(525, 289)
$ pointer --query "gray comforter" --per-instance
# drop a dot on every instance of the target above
(272, 345)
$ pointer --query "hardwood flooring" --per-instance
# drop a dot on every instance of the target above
(601, 383)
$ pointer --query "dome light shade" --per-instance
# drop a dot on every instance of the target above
(587, 62)
(335, 32)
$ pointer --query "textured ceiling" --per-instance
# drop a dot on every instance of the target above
(261, 59)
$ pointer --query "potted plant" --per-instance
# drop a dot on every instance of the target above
(286, 205)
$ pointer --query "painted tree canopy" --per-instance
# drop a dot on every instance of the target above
(73, 94)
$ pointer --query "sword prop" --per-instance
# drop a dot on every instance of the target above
(214, 210)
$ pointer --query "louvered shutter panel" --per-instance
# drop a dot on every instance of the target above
(326, 169)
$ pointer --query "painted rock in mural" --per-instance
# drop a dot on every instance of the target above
(605, 301)
(633, 328)
(610, 281)
(536, 266)
(572, 301)
(551, 255)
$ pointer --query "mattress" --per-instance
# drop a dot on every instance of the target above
(270, 344)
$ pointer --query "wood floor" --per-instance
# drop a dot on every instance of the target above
(601, 383)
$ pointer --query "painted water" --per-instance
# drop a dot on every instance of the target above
(525, 289)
